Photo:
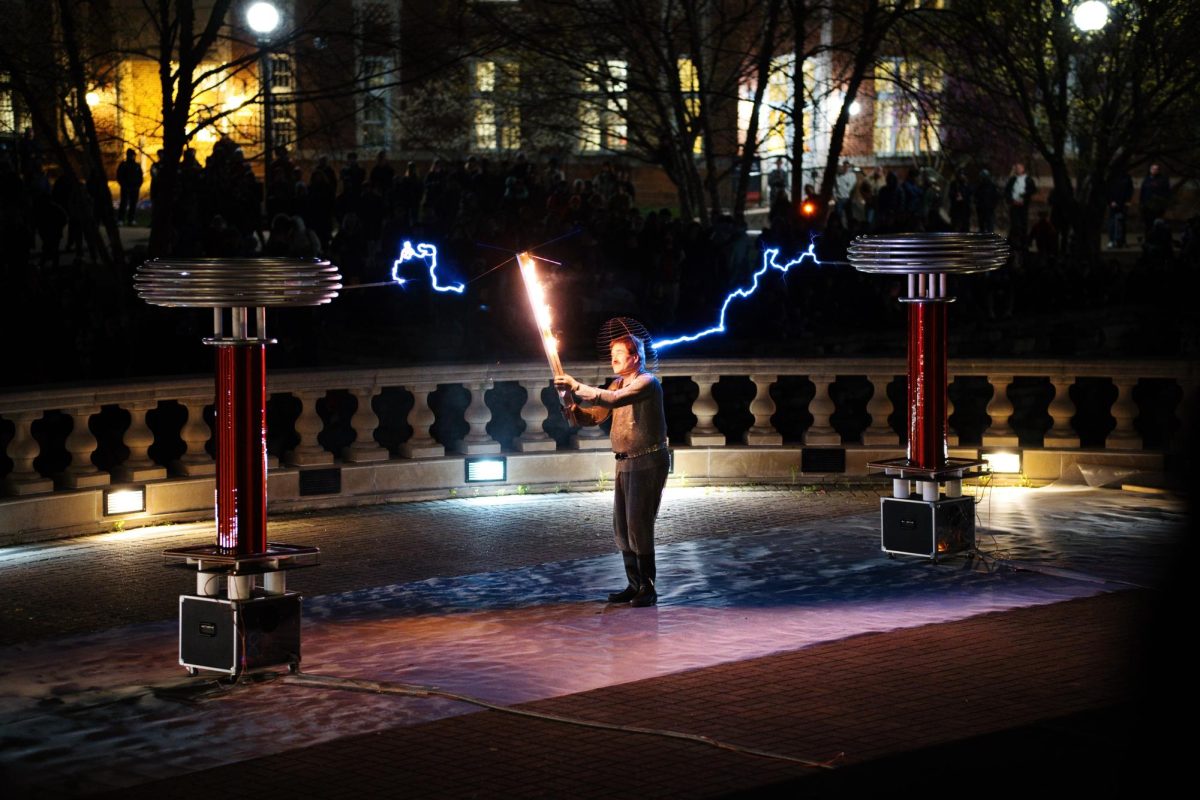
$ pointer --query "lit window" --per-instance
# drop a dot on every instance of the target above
(283, 105)
(603, 107)
(905, 123)
(375, 115)
(497, 115)
(776, 120)
(689, 87)
(8, 112)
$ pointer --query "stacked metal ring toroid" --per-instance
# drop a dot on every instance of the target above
(914, 253)
(237, 282)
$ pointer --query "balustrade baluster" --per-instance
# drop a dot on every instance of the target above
(705, 434)
(880, 407)
(477, 441)
(1061, 410)
(364, 421)
(138, 438)
(533, 414)
(195, 434)
(590, 437)
(81, 473)
(421, 444)
(1124, 436)
(23, 449)
(763, 434)
(308, 451)
(821, 407)
(1000, 432)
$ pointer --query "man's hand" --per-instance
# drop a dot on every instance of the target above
(565, 381)
(571, 415)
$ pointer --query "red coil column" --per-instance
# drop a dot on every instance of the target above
(242, 615)
(241, 448)
(941, 521)
(927, 383)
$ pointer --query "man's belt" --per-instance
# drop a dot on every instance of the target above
(644, 452)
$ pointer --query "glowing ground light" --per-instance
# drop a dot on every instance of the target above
(769, 262)
(428, 254)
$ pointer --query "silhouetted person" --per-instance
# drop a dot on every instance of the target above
(129, 179)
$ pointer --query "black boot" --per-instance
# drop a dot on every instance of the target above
(646, 594)
(631, 572)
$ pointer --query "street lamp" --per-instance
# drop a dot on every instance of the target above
(1090, 15)
(263, 19)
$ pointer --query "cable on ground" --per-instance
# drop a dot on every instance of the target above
(410, 690)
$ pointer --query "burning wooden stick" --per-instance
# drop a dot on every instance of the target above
(541, 314)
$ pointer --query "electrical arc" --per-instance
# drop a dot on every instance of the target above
(427, 253)
(769, 262)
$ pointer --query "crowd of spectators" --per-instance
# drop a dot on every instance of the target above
(605, 254)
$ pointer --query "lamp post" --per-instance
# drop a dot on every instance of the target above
(1090, 15)
(263, 19)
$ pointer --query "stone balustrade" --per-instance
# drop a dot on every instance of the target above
(52, 440)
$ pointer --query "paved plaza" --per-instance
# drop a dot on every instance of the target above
(787, 654)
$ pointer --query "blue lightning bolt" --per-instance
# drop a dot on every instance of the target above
(428, 254)
(769, 262)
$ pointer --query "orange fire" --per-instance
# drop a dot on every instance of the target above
(541, 310)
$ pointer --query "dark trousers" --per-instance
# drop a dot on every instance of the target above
(129, 198)
(635, 506)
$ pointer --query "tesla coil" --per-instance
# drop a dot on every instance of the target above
(241, 616)
(935, 519)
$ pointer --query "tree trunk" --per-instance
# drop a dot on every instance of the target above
(114, 255)
(762, 75)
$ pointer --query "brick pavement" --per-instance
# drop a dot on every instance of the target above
(98, 582)
(981, 705)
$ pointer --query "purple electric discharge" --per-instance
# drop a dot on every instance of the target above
(769, 262)
(428, 254)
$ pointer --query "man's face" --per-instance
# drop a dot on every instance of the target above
(1155, 169)
(624, 362)
(1019, 169)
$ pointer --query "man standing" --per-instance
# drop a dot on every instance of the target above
(777, 183)
(985, 202)
(1018, 193)
(1120, 192)
(843, 191)
(1153, 197)
(639, 442)
(129, 179)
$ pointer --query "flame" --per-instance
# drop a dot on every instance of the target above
(541, 310)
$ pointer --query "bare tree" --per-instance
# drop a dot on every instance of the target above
(1092, 105)
(682, 64)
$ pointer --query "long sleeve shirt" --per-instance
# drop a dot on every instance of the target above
(638, 419)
